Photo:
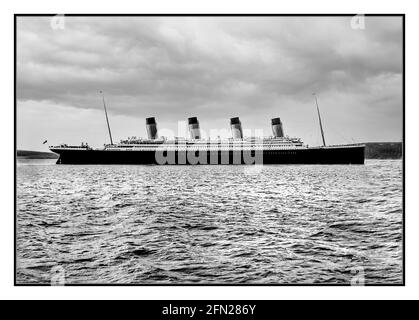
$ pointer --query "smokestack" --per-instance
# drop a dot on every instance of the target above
(194, 131)
(151, 128)
(236, 128)
(277, 128)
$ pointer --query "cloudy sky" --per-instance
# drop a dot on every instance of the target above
(210, 67)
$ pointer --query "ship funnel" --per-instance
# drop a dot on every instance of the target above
(277, 128)
(151, 128)
(236, 128)
(194, 130)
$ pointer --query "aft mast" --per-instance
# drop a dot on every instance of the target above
(320, 120)
(106, 114)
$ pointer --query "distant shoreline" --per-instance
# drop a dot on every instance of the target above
(27, 154)
(383, 150)
(373, 150)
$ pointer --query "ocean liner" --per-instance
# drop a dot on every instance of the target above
(277, 149)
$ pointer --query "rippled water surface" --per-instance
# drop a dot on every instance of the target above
(209, 224)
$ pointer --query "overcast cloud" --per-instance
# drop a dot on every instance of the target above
(210, 67)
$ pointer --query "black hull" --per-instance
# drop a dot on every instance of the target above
(330, 155)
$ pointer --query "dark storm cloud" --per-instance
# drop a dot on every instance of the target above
(209, 66)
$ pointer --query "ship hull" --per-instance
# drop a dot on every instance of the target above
(322, 155)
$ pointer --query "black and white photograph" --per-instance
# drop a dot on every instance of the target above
(203, 149)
